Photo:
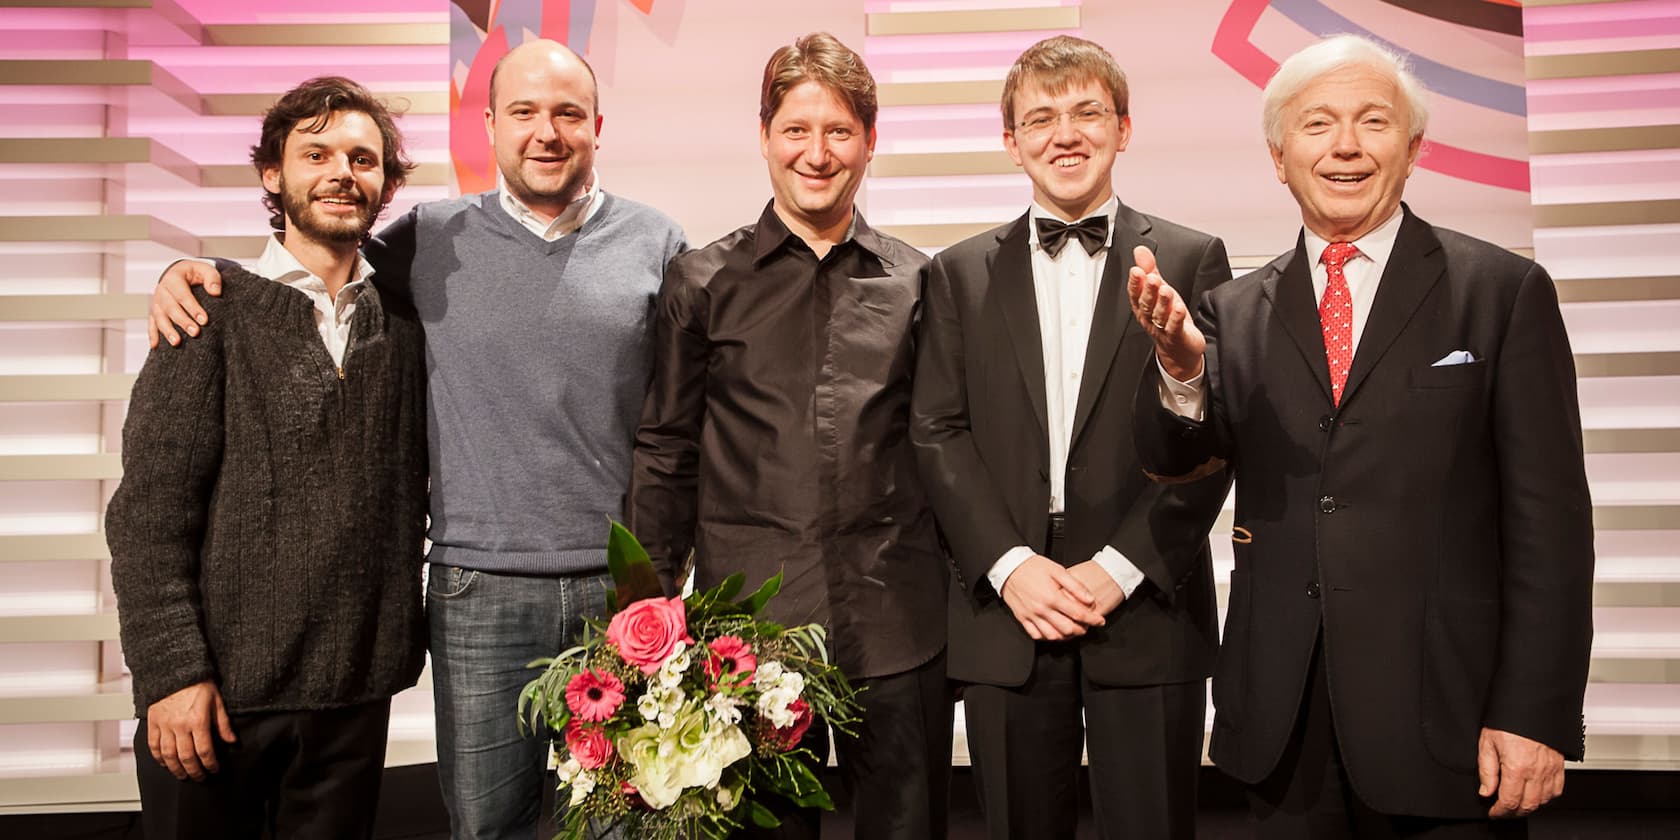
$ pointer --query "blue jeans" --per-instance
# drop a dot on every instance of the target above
(485, 629)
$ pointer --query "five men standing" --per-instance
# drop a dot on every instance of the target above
(1383, 557)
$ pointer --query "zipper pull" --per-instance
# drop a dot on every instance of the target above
(341, 374)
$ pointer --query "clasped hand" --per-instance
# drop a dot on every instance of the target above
(1053, 603)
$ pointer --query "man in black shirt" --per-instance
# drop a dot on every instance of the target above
(780, 397)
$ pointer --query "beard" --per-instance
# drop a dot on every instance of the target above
(308, 220)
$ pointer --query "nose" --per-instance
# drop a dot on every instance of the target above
(1062, 132)
(816, 150)
(1346, 140)
(341, 169)
(546, 132)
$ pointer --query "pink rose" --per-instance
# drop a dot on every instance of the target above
(594, 695)
(646, 631)
(731, 656)
(589, 745)
(788, 737)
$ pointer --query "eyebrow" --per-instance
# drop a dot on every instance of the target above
(319, 145)
(1089, 103)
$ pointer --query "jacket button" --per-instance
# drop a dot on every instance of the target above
(1327, 504)
(1312, 589)
(1325, 422)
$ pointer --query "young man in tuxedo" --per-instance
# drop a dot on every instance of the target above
(1083, 610)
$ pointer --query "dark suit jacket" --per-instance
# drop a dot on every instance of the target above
(1437, 524)
(978, 426)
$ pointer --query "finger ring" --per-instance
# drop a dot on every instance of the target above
(1158, 325)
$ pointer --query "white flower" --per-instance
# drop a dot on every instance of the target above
(691, 753)
(567, 770)
(726, 798)
(723, 708)
(667, 720)
(582, 784)
(648, 704)
(768, 673)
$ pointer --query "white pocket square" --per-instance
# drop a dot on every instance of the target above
(1456, 357)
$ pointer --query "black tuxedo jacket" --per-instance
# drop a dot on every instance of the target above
(1436, 525)
(978, 426)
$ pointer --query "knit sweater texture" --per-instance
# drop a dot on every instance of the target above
(268, 529)
(537, 361)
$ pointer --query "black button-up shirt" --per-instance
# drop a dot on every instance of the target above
(775, 437)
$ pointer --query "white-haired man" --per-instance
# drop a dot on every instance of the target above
(1410, 625)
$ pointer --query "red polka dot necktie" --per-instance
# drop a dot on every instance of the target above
(1335, 315)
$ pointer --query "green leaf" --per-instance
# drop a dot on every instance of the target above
(632, 571)
(756, 602)
(731, 586)
(761, 815)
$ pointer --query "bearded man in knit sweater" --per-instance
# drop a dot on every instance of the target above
(266, 536)
(535, 300)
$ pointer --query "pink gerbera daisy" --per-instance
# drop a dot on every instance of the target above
(732, 656)
(594, 695)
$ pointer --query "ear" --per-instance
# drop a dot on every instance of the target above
(600, 119)
(1412, 154)
(1125, 133)
(764, 140)
(490, 126)
(1010, 146)
(871, 155)
(1277, 162)
(271, 179)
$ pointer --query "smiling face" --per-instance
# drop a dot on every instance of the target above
(1346, 151)
(543, 126)
(1071, 160)
(818, 151)
(331, 182)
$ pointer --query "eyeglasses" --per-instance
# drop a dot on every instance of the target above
(1083, 117)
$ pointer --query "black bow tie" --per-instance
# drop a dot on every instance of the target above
(1092, 233)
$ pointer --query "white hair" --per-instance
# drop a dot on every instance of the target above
(1327, 56)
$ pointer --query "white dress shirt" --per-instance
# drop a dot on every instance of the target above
(1363, 274)
(332, 313)
(1065, 288)
(569, 220)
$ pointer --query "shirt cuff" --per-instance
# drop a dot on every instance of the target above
(1126, 575)
(1006, 566)
(1181, 398)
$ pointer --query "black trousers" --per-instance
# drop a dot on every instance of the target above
(1144, 748)
(1308, 795)
(897, 769)
(291, 774)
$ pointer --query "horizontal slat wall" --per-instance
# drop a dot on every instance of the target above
(1604, 144)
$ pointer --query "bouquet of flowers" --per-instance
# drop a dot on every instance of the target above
(679, 716)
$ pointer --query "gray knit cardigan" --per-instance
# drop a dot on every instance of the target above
(267, 532)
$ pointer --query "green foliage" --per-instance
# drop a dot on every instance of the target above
(632, 571)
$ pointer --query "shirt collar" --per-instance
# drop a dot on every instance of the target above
(1108, 208)
(771, 234)
(1376, 244)
(569, 219)
(278, 264)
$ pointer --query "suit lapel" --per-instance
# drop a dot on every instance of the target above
(1009, 266)
(1290, 292)
(1112, 316)
(1415, 266)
